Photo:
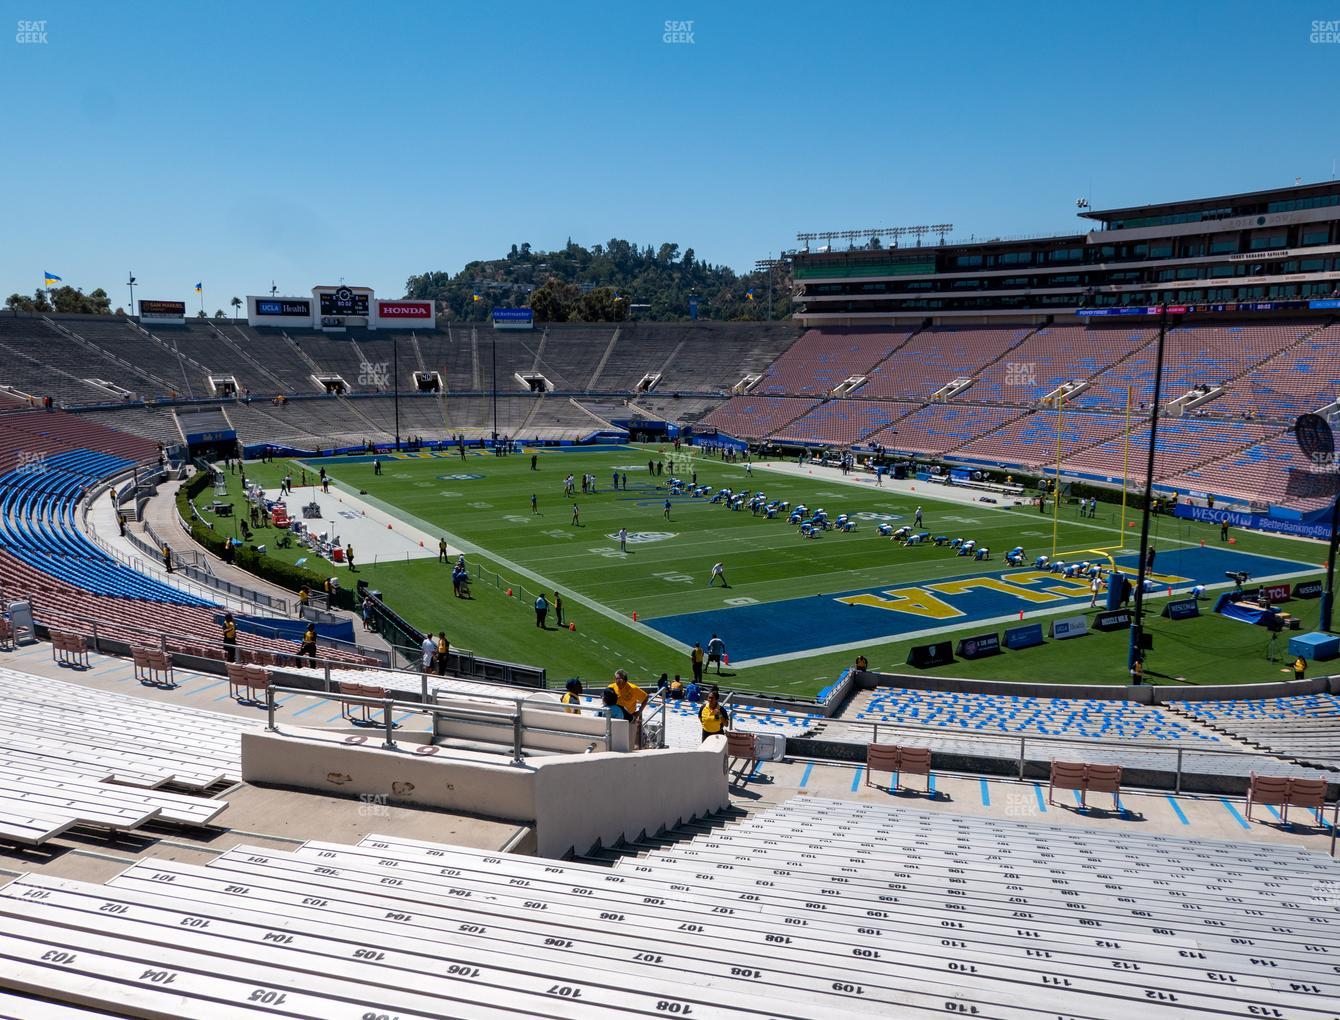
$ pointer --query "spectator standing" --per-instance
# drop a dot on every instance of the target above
(541, 610)
(558, 608)
(229, 637)
(696, 657)
(713, 716)
(427, 649)
(308, 646)
(442, 652)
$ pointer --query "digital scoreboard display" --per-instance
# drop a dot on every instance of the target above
(343, 301)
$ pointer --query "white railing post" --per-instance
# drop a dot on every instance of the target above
(389, 742)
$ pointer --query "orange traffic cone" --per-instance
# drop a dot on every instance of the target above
(1021, 614)
(635, 616)
(572, 626)
(509, 593)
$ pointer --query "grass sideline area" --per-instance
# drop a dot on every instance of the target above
(484, 503)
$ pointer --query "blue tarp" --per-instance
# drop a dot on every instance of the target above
(278, 627)
(1245, 612)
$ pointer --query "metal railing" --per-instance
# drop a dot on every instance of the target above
(511, 717)
(1058, 742)
(64, 619)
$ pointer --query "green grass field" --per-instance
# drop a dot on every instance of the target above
(766, 563)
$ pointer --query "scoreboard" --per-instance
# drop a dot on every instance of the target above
(343, 301)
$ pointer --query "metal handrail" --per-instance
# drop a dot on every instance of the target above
(514, 719)
(1024, 738)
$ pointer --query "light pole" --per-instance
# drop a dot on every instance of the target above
(131, 284)
(1136, 653)
(395, 383)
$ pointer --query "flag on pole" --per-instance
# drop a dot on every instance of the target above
(199, 288)
(50, 278)
(749, 294)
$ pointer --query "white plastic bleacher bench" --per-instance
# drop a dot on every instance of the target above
(153, 666)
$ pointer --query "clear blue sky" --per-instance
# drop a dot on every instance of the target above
(240, 142)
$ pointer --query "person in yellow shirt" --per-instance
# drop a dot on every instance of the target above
(572, 697)
(229, 637)
(713, 715)
(630, 696)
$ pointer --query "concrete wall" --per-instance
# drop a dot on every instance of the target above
(574, 802)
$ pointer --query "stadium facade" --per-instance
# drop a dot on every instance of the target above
(1261, 252)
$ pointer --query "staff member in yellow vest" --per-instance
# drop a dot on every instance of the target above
(229, 637)
(713, 715)
(631, 698)
(572, 697)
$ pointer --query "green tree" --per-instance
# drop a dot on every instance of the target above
(237, 305)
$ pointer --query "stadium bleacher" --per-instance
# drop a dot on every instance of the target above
(1193, 355)
(785, 914)
(1031, 440)
(941, 428)
(1305, 727)
(934, 357)
(1050, 357)
(845, 421)
(823, 358)
(79, 756)
(752, 417)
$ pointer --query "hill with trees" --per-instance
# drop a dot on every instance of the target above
(66, 300)
(604, 283)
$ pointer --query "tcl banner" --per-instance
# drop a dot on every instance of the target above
(422, 310)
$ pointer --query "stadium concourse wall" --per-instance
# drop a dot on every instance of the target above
(575, 802)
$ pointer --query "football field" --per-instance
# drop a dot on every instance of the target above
(797, 610)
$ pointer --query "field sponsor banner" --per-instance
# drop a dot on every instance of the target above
(420, 310)
(1256, 522)
(1181, 609)
(513, 318)
(150, 309)
(979, 646)
(1307, 590)
(1113, 619)
(1071, 626)
(1024, 637)
(925, 656)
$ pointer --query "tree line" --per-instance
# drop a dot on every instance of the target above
(607, 282)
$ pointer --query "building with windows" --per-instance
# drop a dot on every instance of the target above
(1262, 251)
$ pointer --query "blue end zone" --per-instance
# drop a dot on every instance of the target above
(817, 622)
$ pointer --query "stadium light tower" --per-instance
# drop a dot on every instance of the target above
(131, 284)
(1137, 651)
(395, 383)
